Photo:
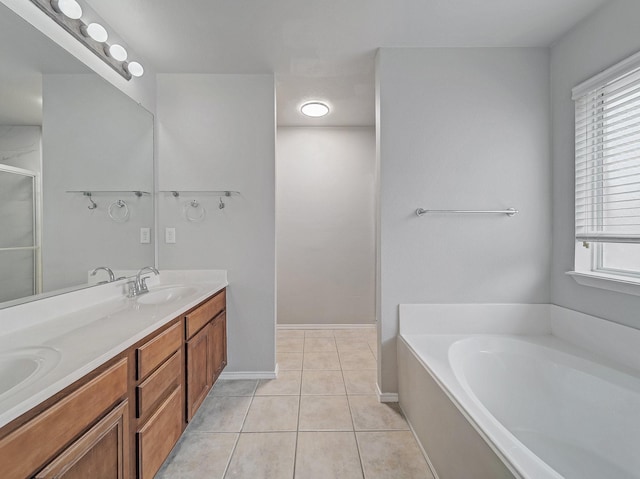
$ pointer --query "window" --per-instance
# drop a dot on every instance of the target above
(607, 172)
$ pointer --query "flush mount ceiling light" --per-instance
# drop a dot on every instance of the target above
(69, 8)
(314, 109)
(73, 16)
(95, 31)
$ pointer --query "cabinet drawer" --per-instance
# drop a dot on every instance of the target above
(153, 388)
(29, 447)
(154, 352)
(158, 436)
(205, 313)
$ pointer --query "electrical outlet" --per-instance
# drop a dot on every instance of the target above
(145, 235)
(169, 235)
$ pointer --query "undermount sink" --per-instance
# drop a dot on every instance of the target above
(167, 294)
(20, 367)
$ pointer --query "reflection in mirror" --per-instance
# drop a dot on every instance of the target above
(66, 133)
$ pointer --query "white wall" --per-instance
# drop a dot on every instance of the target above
(217, 132)
(325, 225)
(461, 129)
(93, 138)
(605, 38)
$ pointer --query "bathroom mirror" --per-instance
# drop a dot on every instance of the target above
(76, 170)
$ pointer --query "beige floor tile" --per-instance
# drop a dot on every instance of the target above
(326, 360)
(199, 455)
(318, 382)
(319, 345)
(220, 414)
(357, 360)
(392, 454)
(318, 333)
(272, 413)
(234, 387)
(358, 334)
(286, 384)
(290, 345)
(327, 455)
(289, 361)
(289, 333)
(263, 456)
(324, 413)
(352, 345)
(371, 415)
(360, 381)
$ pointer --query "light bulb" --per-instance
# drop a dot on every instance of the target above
(69, 8)
(95, 31)
(117, 52)
(135, 69)
(314, 109)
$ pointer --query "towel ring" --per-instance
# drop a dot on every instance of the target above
(119, 211)
(194, 211)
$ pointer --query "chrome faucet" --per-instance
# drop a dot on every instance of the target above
(112, 277)
(139, 285)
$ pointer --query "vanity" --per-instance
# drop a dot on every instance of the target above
(127, 376)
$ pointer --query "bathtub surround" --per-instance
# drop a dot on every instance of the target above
(601, 41)
(460, 128)
(588, 363)
(217, 132)
(325, 225)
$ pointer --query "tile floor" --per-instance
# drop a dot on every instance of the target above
(319, 419)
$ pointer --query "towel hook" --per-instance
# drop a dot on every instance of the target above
(93, 205)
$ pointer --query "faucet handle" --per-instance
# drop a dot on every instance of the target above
(132, 291)
(143, 288)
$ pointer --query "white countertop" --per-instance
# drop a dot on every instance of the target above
(85, 329)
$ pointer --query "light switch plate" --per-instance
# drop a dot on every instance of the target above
(169, 235)
(145, 235)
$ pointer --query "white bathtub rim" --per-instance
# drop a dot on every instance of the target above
(520, 461)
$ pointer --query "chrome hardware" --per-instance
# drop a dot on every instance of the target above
(139, 285)
(112, 277)
(508, 211)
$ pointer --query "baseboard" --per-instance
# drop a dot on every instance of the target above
(326, 326)
(250, 374)
(385, 397)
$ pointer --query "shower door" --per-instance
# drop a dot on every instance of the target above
(19, 233)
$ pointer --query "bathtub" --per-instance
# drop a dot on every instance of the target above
(524, 391)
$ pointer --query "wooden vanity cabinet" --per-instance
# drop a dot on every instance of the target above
(205, 327)
(122, 420)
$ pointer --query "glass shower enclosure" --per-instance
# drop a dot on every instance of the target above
(20, 273)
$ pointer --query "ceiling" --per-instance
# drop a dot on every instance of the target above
(325, 49)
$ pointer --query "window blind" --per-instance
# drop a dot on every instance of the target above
(607, 146)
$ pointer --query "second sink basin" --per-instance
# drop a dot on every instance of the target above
(165, 294)
(20, 367)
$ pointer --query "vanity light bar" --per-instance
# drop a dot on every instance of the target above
(69, 15)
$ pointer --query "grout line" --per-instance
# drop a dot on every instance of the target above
(295, 447)
(233, 450)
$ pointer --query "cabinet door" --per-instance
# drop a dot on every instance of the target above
(198, 369)
(101, 453)
(218, 346)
